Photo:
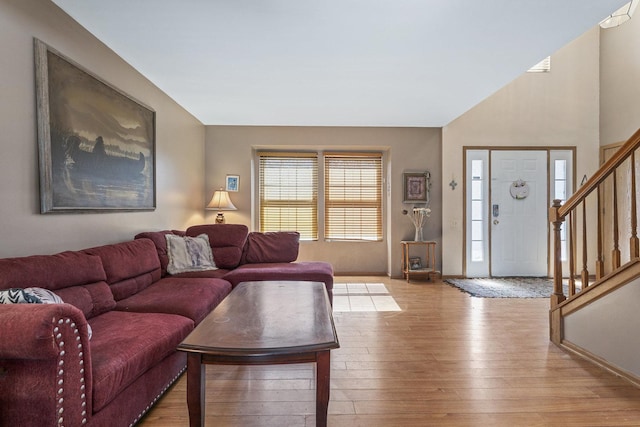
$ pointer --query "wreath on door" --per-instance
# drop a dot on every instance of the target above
(519, 189)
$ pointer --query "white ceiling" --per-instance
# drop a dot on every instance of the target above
(334, 62)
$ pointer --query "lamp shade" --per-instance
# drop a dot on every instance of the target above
(221, 202)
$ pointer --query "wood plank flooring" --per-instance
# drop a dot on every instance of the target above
(446, 359)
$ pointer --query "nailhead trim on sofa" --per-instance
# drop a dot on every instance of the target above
(153, 402)
(66, 322)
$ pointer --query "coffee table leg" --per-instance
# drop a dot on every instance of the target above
(323, 371)
(195, 389)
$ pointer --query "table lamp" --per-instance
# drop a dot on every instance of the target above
(220, 202)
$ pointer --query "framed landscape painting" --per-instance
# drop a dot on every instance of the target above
(96, 144)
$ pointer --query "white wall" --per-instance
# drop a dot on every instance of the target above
(619, 77)
(229, 150)
(179, 145)
(559, 108)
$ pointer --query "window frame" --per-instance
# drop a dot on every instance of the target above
(309, 229)
(375, 162)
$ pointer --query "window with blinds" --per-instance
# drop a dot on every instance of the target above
(288, 192)
(353, 196)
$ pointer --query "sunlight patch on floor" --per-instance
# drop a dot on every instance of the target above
(352, 297)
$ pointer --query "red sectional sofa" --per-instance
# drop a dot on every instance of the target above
(53, 374)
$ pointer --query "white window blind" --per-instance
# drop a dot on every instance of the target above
(353, 196)
(288, 187)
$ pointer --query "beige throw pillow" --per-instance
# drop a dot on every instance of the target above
(189, 254)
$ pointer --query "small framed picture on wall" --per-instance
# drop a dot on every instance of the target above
(233, 181)
(416, 187)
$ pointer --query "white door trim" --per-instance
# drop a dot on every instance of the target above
(482, 269)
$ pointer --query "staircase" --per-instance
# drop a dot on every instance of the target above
(599, 317)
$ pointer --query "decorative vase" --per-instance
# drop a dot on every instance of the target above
(418, 218)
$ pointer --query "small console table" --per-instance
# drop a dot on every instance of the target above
(428, 269)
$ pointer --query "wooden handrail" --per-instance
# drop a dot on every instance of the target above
(605, 170)
(574, 212)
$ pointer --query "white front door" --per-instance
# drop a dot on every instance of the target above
(518, 213)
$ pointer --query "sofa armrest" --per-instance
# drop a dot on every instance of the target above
(45, 365)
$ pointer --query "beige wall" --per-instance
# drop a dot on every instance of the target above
(555, 109)
(559, 108)
(604, 328)
(229, 151)
(179, 147)
(619, 77)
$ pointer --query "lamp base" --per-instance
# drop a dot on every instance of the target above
(220, 218)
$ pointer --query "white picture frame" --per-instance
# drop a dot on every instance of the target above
(232, 183)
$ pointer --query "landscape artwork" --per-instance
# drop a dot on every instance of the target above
(96, 144)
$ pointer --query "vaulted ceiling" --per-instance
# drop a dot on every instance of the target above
(334, 62)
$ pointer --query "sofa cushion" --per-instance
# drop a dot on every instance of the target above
(227, 242)
(126, 345)
(76, 277)
(312, 271)
(211, 274)
(53, 272)
(130, 266)
(189, 254)
(125, 260)
(279, 246)
(92, 299)
(193, 298)
(160, 241)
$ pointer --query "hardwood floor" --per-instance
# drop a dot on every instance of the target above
(446, 359)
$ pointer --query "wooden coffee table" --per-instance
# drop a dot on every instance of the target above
(260, 323)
